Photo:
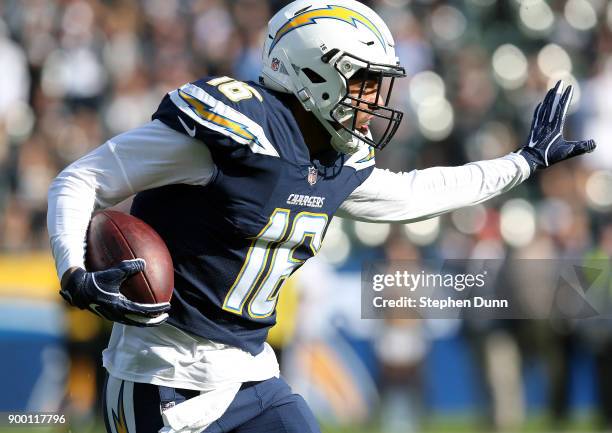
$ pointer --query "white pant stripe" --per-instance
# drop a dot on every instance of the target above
(120, 405)
(128, 405)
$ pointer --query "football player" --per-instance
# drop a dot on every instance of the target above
(241, 180)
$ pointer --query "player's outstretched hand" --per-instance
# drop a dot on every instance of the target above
(99, 293)
(546, 145)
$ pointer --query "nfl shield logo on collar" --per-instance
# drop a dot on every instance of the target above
(312, 175)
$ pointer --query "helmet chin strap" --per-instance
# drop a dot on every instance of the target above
(343, 141)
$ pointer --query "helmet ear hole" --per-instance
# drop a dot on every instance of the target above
(325, 96)
(313, 76)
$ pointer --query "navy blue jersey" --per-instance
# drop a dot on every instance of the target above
(236, 240)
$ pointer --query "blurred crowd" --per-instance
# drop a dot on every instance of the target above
(76, 72)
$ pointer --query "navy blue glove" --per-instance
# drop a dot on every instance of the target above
(546, 145)
(99, 292)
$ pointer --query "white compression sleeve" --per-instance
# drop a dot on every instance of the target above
(420, 194)
(143, 158)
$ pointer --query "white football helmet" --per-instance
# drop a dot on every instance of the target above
(314, 47)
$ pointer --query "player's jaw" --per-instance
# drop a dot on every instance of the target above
(363, 122)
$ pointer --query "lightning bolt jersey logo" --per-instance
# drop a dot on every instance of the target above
(213, 114)
(335, 12)
(363, 158)
(207, 114)
(368, 157)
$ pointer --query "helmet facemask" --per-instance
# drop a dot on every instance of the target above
(345, 112)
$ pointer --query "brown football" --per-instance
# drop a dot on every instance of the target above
(115, 236)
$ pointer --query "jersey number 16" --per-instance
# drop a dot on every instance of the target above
(270, 261)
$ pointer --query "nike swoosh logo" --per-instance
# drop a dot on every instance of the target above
(94, 308)
(190, 131)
